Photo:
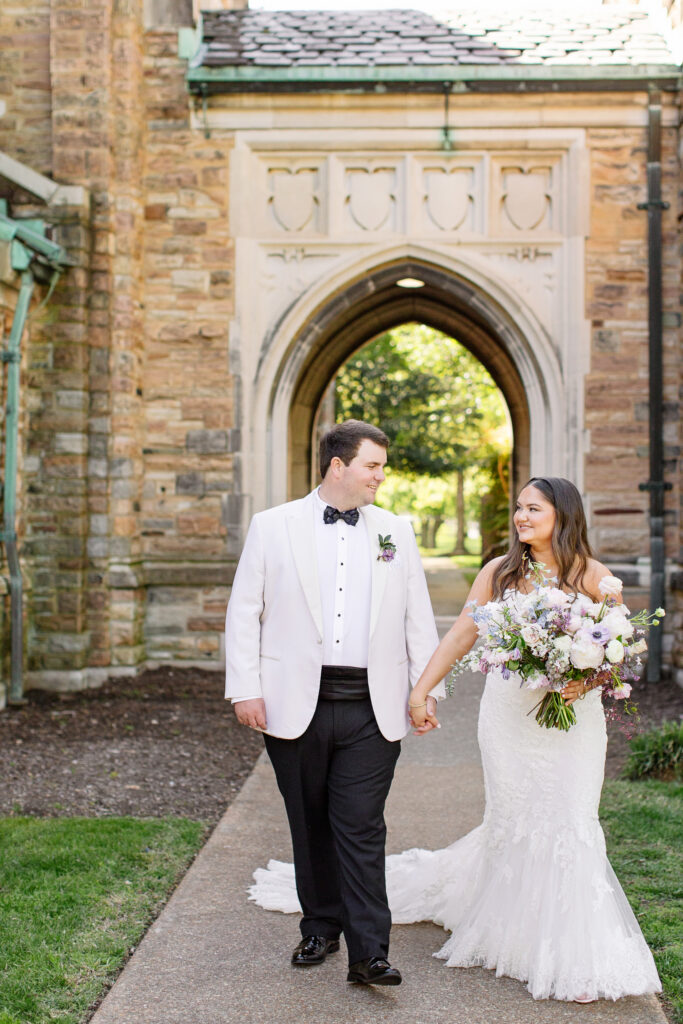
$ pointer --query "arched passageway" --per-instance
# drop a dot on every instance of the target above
(299, 360)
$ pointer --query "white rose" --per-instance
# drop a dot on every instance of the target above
(556, 598)
(617, 623)
(580, 604)
(614, 651)
(627, 630)
(610, 586)
(563, 643)
(586, 654)
(531, 634)
(575, 622)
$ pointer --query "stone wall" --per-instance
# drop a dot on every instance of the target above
(190, 443)
(137, 377)
(617, 305)
(26, 129)
(676, 620)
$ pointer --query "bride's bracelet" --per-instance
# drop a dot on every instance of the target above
(417, 705)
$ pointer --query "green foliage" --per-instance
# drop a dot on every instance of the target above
(406, 494)
(643, 823)
(437, 403)
(75, 895)
(495, 510)
(445, 418)
(657, 753)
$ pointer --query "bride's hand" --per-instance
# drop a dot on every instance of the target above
(423, 716)
(573, 691)
(577, 688)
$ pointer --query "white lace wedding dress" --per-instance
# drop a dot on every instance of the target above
(530, 892)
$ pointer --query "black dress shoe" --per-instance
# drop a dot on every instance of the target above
(313, 949)
(374, 971)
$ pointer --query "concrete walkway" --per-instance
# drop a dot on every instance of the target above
(212, 957)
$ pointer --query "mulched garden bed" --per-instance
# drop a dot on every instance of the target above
(164, 743)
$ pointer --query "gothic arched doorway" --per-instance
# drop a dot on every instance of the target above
(307, 347)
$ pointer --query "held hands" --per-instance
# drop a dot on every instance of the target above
(251, 713)
(422, 714)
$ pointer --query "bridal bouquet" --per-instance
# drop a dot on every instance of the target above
(549, 638)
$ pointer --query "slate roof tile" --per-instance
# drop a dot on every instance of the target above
(615, 34)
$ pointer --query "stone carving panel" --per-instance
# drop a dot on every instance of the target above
(448, 197)
(533, 270)
(286, 273)
(526, 198)
(294, 198)
(371, 198)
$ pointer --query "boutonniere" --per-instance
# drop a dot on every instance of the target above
(387, 548)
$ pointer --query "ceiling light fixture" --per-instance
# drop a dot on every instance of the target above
(410, 282)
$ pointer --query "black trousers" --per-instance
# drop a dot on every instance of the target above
(334, 780)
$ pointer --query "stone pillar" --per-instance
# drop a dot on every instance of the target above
(676, 604)
(192, 472)
(54, 512)
(96, 76)
(127, 337)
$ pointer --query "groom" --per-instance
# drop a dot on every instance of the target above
(329, 624)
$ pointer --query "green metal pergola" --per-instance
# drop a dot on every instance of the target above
(35, 258)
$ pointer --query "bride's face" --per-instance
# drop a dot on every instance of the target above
(534, 518)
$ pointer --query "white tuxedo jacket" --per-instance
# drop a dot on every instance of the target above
(274, 628)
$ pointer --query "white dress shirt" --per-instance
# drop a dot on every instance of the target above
(344, 574)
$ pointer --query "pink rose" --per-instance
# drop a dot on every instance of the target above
(621, 693)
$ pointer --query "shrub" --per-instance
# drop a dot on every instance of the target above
(657, 753)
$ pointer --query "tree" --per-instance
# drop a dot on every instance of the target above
(439, 406)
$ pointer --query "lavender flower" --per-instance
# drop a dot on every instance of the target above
(598, 633)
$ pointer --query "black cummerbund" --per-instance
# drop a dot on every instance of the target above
(343, 682)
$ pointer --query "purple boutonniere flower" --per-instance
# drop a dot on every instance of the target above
(387, 549)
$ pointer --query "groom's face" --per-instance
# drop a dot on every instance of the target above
(364, 474)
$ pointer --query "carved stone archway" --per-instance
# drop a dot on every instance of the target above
(383, 306)
(305, 350)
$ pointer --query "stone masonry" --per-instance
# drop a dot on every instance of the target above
(138, 451)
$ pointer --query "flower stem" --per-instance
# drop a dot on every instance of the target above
(554, 713)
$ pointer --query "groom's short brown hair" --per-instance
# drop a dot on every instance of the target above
(344, 439)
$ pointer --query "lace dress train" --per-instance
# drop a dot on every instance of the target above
(530, 892)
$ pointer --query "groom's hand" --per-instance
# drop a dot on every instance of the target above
(251, 713)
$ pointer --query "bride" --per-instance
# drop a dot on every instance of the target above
(530, 892)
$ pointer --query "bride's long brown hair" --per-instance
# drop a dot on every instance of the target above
(569, 541)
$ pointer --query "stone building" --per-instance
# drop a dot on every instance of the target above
(241, 194)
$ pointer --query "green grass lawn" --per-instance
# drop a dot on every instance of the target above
(643, 822)
(76, 894)
(445, 544)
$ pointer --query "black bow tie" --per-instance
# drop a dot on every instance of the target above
(331, 515)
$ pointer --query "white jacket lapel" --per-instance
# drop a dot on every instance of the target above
(378, 568)
(301, 526)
